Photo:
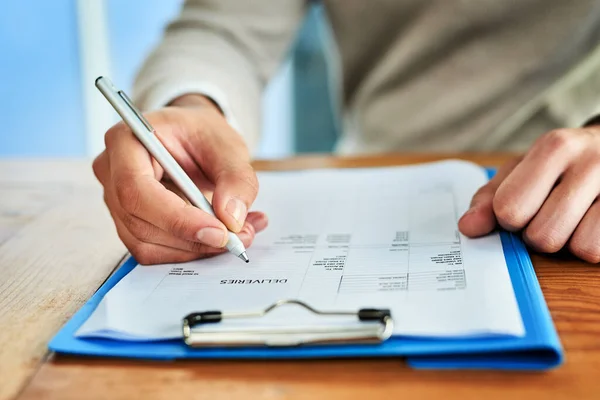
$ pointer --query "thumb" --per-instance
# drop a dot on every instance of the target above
(224, 159)
(480, 219)
(235, 191)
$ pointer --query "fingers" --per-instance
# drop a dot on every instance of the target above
(562, 211)
(585, 242)
(156, 223)
(137, 234)
(147, 199)
(148, 233)
(149, 245)
(551, 195)
(140, 195)
(101, 167)
(480, 219)
(521, 195)
(150, 253)
(235, 191)
(258, 220)
(127, 155)
(225, 160)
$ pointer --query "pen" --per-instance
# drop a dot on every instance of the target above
(146, 135)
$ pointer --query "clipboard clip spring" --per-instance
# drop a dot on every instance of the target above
(376, 326)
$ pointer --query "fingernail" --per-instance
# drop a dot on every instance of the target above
(237, 209)
(213, 237)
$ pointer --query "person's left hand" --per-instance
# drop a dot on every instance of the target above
(550, 194)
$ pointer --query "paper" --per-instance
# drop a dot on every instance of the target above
(339, 240)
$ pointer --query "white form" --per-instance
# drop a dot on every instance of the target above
(339, 240)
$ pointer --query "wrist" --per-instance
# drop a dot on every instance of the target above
(192, 100)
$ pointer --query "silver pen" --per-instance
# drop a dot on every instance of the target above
(146, 135)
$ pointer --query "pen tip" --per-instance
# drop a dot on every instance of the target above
(244, 257)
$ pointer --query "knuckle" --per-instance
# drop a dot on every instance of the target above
(179, 226)
(544, 240)
(112, 134)
(592, 163)
(508, 214)
(100, 168)
(483, 193)
(121, 232)
(106, 199)
(143, 253)
(140, 229)
(127, 220)
(97, 166)
(196, 248)
(562, 141)
(589, 252)
(128, 194)
(244, 173)
(249, 177)
(242, 176)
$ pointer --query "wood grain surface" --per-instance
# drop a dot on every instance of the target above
(57, 245)
(571, 288)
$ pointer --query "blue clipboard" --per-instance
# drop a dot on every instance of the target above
(539, 349)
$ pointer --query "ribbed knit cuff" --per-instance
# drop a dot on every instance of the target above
(593, 121)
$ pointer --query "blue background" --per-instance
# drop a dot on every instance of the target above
(41, 98)
(41, 101)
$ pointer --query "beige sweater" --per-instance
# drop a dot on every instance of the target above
(414, 75)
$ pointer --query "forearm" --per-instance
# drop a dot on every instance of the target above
(215, 48)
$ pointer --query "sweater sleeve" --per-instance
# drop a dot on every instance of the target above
(224, 49)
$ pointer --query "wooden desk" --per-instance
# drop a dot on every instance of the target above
(57, 246)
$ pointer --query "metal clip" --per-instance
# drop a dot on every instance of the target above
(280, 337)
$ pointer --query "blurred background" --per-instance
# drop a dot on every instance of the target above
(50, 58)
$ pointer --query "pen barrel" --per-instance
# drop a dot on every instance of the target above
(234, 244)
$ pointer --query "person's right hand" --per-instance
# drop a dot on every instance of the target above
(152, 218)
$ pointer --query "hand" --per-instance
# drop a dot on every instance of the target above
(152, 219)
(550, 195)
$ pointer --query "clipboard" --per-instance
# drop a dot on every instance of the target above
(538, 349)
